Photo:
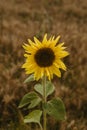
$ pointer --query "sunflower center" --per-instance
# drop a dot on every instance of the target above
(44, 57)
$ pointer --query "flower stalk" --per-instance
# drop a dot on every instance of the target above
(44, 101)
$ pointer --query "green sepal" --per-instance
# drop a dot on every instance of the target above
(49, 88)
(30, 98)
(34, 117)
(29, 79)
(56, 108)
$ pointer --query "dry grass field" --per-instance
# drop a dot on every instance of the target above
(23, 19)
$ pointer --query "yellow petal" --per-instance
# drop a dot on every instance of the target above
(47, 73)
(28, 48)
(37, 41)
(44, 39)
(61, 54)
(56, 40)
(56, 71)
(37, 73)
(30, 42)
(61, 64)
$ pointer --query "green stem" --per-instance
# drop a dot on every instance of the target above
(44, 101)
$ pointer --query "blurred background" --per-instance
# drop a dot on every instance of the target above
(23, 19)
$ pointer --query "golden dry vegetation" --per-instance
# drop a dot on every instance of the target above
(20, 20)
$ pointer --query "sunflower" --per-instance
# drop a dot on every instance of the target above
(44, 58)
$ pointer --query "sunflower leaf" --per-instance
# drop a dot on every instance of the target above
(55, 108)
(34, 102)
(49, 88)
(38, 88)
(29, 79)
(34, 116)
(30, 98)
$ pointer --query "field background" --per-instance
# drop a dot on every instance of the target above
(23, 19)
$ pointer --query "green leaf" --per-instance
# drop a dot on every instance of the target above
(29, 79)
(30, 98)
(49, 88)
(38, 88)
(34, 116)
(55, 108)
(34, 102)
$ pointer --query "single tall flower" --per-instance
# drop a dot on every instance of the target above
(44, 58)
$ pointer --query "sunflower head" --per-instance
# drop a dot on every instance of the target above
(44, 57)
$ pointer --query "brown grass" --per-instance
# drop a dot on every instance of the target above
(20, 20)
